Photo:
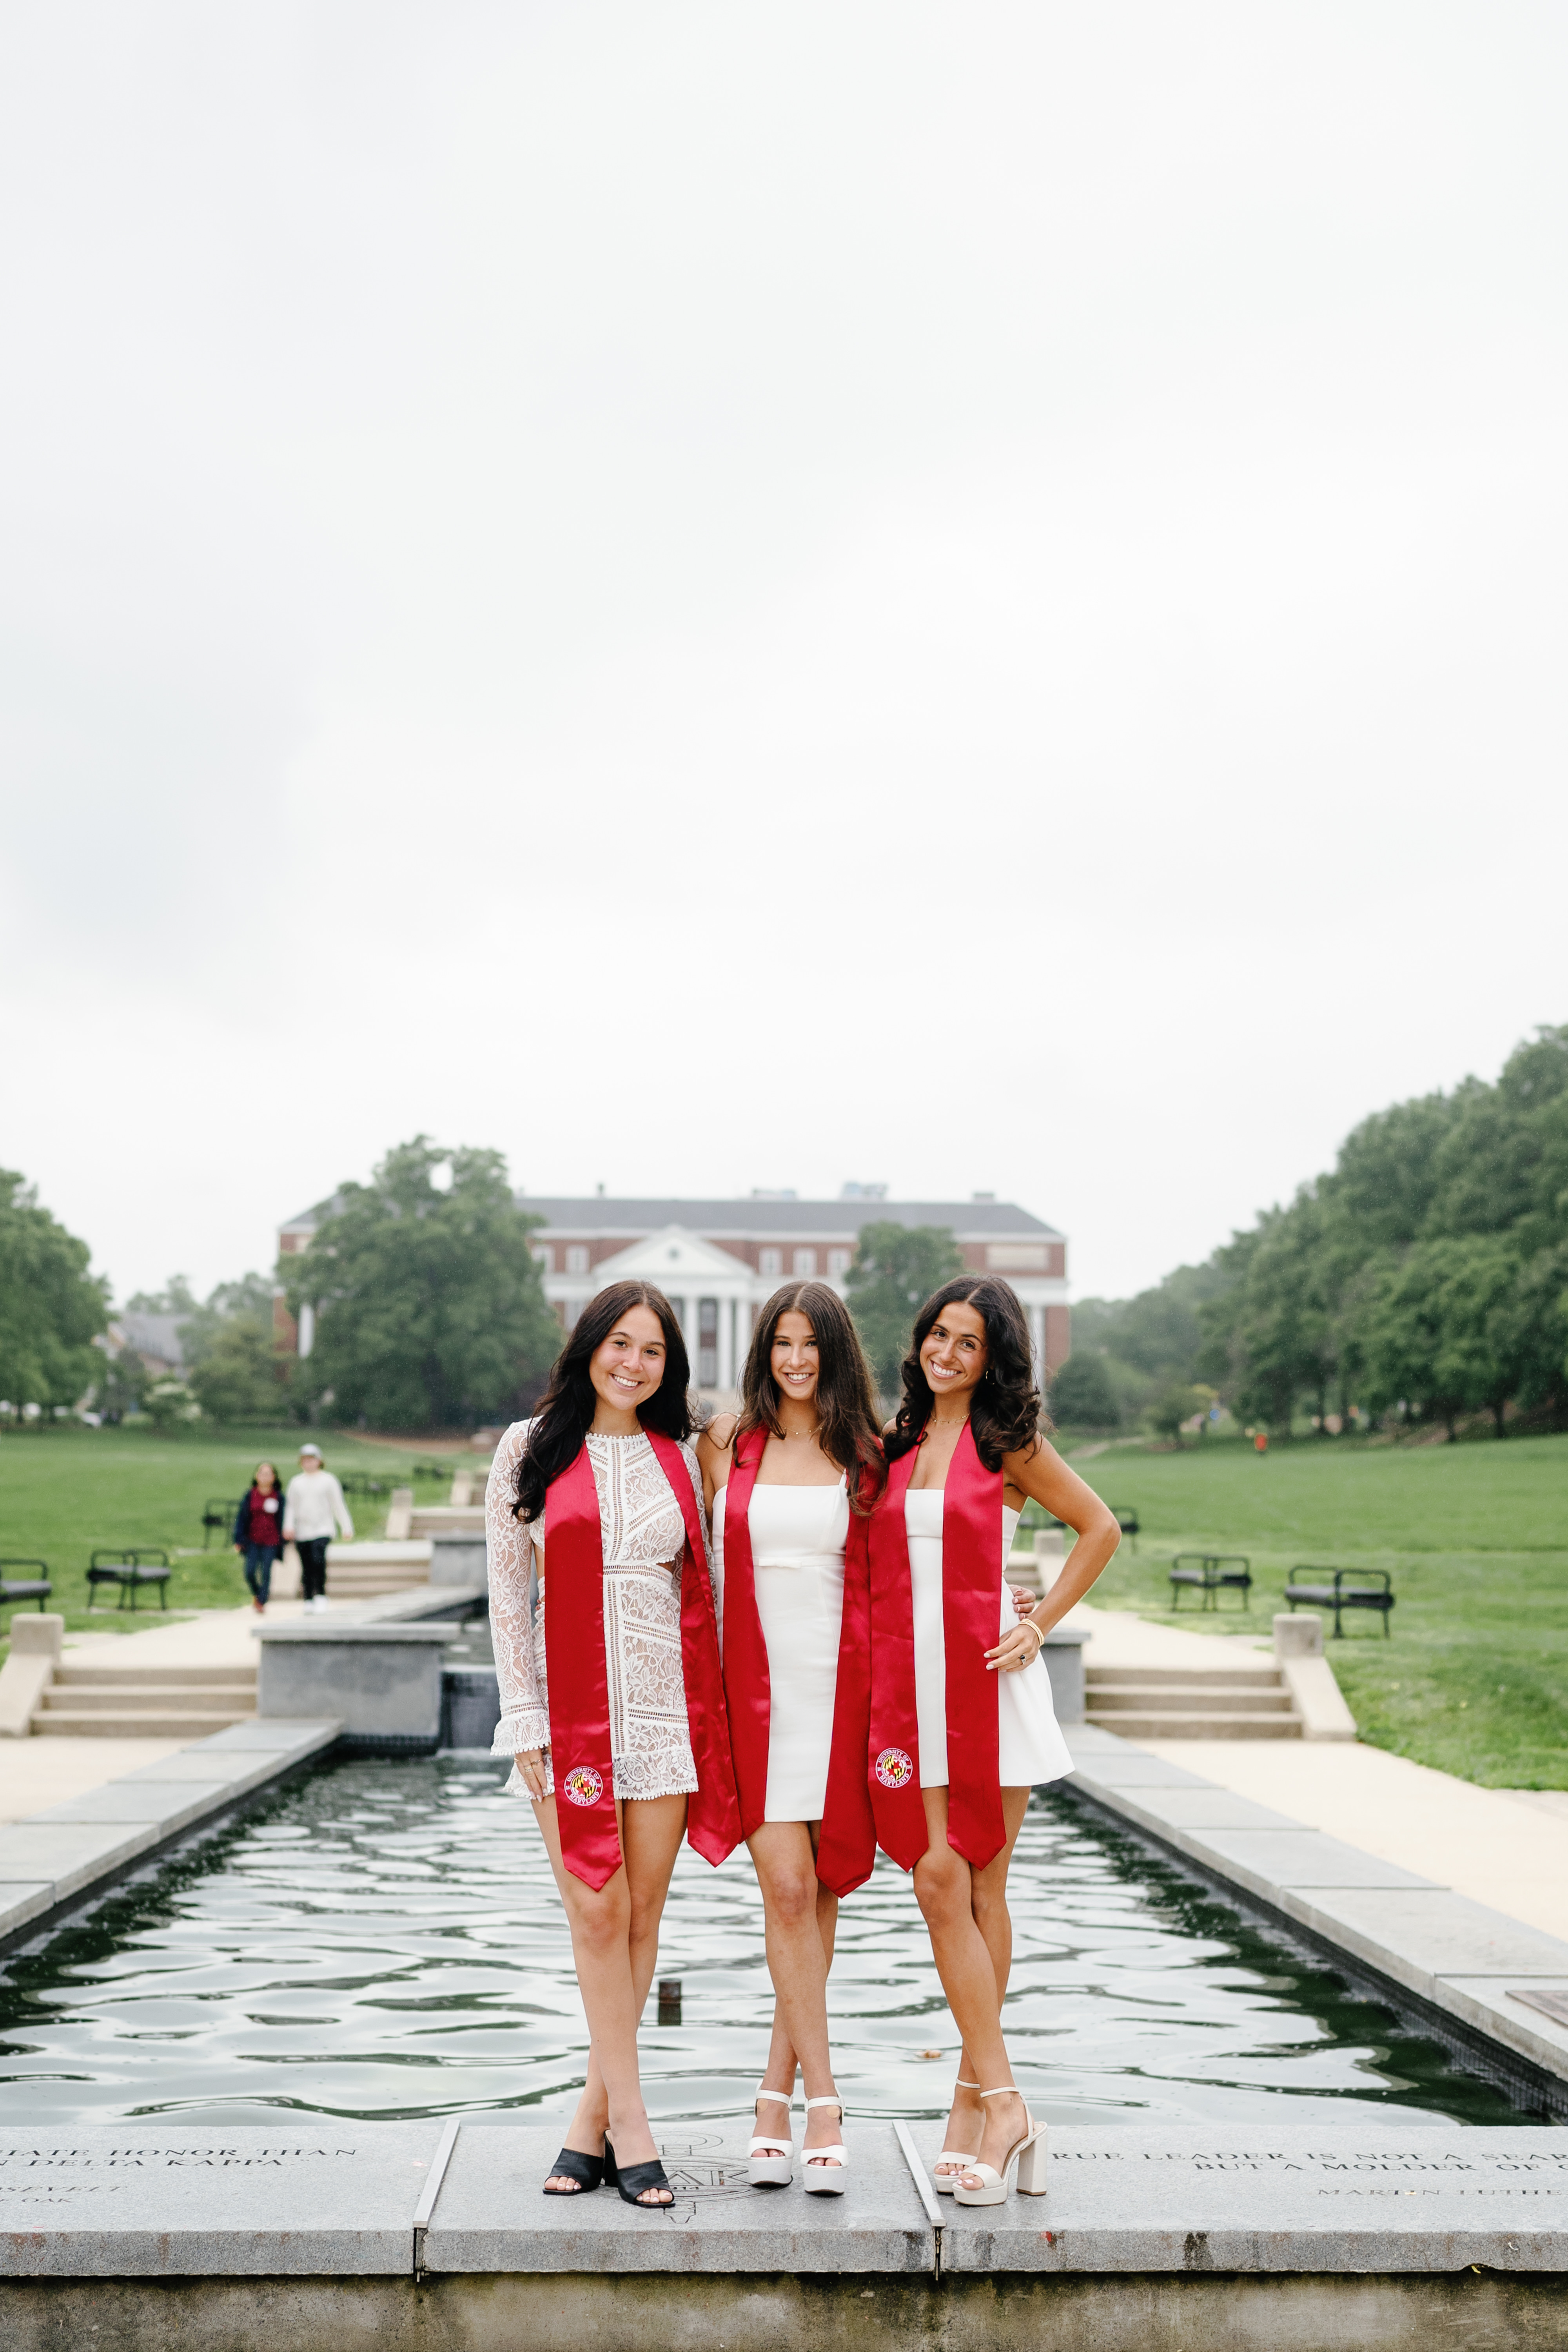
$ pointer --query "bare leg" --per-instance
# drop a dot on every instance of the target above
(966, 2117)
(949, 1891)
(798, 1956)
(604, 1924)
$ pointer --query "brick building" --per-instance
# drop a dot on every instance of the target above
(719, 1260)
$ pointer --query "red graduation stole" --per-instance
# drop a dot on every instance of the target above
(972, 1616)
(578, 1676)
(848, 1838)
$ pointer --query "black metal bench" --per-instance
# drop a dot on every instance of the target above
(1373, 1591)
(25, 1588)
(216, 1512)
(1211, 1573)
(1126, 1517)
(127, 1567)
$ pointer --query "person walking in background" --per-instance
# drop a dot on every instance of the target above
(258, 1532)
(312, 1508)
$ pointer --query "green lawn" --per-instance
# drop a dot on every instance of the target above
(1475, 1677)
(67, 1492)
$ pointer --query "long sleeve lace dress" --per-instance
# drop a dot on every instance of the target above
(642, 1530)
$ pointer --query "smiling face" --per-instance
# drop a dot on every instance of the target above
(953, 1354)
(793, 1358)
(627, 1365)
(266, 1476)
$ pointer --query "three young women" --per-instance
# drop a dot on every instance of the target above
(789, 1483)
(611, 1698)
(962, 1724)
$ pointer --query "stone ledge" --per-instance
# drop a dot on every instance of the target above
(73, 1851)
(1436, 1944)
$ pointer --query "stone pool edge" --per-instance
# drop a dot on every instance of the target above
(54, 1861)
(1459, 1959)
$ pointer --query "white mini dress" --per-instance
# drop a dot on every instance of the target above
(798, 1536)
(1030, 1746)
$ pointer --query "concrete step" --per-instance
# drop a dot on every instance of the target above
(138, 1722)
(166, 1677)
(178, 1698)
(1183, 1697)
(1259, 1678)
(1191, 1723)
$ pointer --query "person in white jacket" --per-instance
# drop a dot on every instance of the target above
(312, 1508)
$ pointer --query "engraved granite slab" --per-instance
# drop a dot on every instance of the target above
(311, 2197)
(493, 2215)
(1356, 2198)
(1488, 2002)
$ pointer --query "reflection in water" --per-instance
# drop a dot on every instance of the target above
(382, 1939)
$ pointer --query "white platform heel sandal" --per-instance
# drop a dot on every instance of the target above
(769, 2163)
(824, 2170)
(1026, 2155)
(944, 2182)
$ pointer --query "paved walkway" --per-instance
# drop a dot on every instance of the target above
(1505, 1847)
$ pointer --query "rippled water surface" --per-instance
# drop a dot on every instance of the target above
(382, 1939)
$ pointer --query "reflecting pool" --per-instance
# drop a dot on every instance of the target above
(382, 1939)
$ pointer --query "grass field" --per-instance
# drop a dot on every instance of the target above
(69, 1492)
(1475, 1676)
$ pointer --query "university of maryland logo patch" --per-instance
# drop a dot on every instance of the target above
(584, 1786)
(894, 1768)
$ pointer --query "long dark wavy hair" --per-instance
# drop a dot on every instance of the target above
(1005, 1412)
(567, 1407)
(846, 1399)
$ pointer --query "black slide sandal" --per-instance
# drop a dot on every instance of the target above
(587, 2171)
(633, 2180)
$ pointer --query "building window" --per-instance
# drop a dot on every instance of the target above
(570, 1310)
(805, 1264)
(707, 1321)
(771, 1262)
(838, 1263)
(708, 1368)
(577, 1258)
(544, 1257)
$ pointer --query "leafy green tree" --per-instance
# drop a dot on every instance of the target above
(238, 1375)
(896, 1268)
(247, 1301)
(171, 1405)
(1083, 1393)
(1177, 1403)
(429, 1308)
(51, 1309)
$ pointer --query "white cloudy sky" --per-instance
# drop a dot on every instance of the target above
(718, 595)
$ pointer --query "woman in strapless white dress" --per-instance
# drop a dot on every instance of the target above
(970, 1418)
(779, 1477)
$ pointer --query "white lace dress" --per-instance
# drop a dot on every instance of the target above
(642, 1530)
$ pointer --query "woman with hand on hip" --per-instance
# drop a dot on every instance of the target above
(611, 1696)
(961, 1721)
(789, 1482)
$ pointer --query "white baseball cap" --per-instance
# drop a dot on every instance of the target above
(310, 1449)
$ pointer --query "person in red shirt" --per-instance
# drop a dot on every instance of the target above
(258, 1532)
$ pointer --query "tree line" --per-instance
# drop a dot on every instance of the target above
(1422, 1281)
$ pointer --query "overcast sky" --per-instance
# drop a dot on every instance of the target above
(728, 595)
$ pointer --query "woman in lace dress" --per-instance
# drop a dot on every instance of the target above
(961, 1722)
(787, 1482)
(610, 1697)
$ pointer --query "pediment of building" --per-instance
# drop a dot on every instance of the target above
(671, 1256)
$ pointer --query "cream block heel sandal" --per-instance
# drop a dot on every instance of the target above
(1026, 2155)
(769, 2163)
(944, 2181)
(823, 2171)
